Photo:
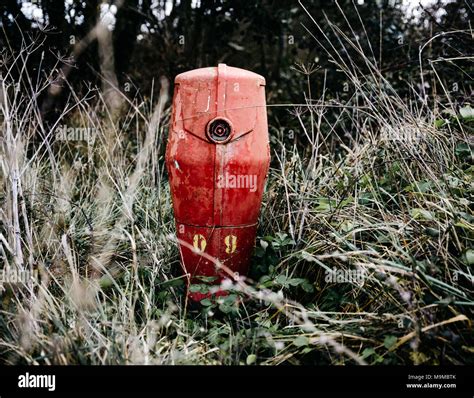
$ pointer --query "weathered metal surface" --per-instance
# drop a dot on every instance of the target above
(217, 159)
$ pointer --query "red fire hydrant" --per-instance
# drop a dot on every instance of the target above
(217, 159)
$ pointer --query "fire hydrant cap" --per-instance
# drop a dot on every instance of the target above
(211, 73)
(218, 104)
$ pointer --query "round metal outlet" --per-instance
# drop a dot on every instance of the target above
(219, 130)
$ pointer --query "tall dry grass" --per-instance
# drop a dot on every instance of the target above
(90, 223)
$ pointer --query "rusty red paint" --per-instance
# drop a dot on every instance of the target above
(217, 178)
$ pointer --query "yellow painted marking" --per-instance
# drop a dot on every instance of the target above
(199, 242)
(231, 243)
